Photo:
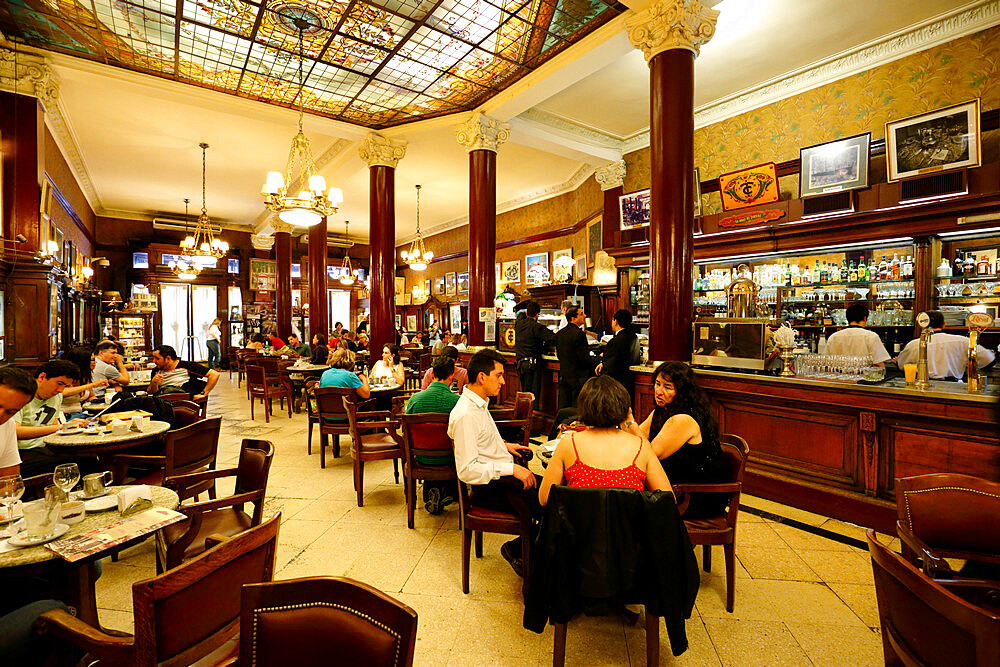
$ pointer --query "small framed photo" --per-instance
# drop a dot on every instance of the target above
(595, 240)
(512, 272)
(399, 321)
(634, 209)
(455, 318)
(581, 268)
(499, 276)
(427, 286)
(536, 269)
(834, 166)
(411, 322)
(463, 282)
(450, 284)
(697, 192)
(400, 286)
(937, 141)
(439, 285)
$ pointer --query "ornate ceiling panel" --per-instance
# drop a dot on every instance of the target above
(376, 63)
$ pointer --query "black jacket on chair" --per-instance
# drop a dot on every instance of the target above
(602, 548)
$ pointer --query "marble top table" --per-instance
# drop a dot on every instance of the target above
(106, 441)
(384, 388)
(308, 368)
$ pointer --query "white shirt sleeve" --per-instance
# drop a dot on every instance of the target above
(877, 349)
(9, 456)
(910, 353)
(471, 468)
(983, 356)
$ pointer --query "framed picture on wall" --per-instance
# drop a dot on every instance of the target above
(427, 286)
(499, 276)
(536, 268)
(455, 318)
(400, 286)
(634, 209)
(399, 321)
(594, 240)
(439, 285)
(450, 284)
(581, 268)
(697, 192)
(411, 322)
(937, 141)
(463, 282)
(57, 236)
(512, 272)
(45, 203)
(834, 166)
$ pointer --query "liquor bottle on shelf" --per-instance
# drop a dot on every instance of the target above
(983, 266)
(844, 270)
(852, 273)
(894, 267)
(970, 264)
(862, 269)
(944, 268)
(959, 269)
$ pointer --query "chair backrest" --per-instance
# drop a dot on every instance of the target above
(523, 405)
(426, 360)
(177, 397)
(192, 448)
(323, 620)
(255, 375)
(186, 413)
(427, 435)
(923, 623)
(191, 610)
(735, 452)
(330, 402)
(34, 487)
(252, 471)
(269, 364)
(284, 365)
(956, 516)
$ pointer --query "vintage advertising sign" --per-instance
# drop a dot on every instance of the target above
(751, 219)
(263, 275)
(749, 187)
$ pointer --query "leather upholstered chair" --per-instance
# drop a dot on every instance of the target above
(189, 449)
(267, 387)
(719, 529)
(515, 423)
(373, 438)
(201, 404)
(185, 412)
(324, 620)
(225, 516)
(183, 615)
(924, 622)
(477, 520)
(424, 435)
(329, 414)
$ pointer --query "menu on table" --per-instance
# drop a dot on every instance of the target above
(80, 546)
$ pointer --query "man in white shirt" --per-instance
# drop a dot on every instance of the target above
(947, 354)
(857, 341)
(16, 389)
(482, 458)
(109, 367)
(563, 321)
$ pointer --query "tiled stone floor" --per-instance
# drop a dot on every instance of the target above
(801, 599)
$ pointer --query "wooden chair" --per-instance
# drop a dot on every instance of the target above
(424, 435)
(242, 356)
(924, 622)
(225, 516)
(300, 621)
(373, 438)
(948, 515)
(719, 529)
(34, 486)
(267, 388)
(189, 449)
(200, 404)
(329, 415)
(186, 413)
(479, 520)
(183, 615)
(231, 365)
(515, 423)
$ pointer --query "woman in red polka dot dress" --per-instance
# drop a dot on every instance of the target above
(604, 455)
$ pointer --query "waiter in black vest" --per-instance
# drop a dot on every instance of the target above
(530, 341)
(622, 351)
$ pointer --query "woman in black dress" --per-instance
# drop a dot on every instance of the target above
(685, 436)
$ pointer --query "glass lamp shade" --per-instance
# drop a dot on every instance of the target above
(51, 247)
(188, 242)
(346, 280)
(335, 196)
(317, 184)
(418, 266)
(275, 183)
(87, 272)
(300, 217)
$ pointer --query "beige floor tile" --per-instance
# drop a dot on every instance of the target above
(774, 563)
(507, 636)
(325, 563)
(805, 602)
(596, 640)
(757, 535)
(753, 600)
(439, 619)
(299, 533)
(322, 509)
(797, 538)
(288, 507)
(385, 570)
(700, 652)
(839, 566)
(114, 588)
(115, 619)
(754, 643)
(838, 646)
(783, 510)
(861, 599)
(718, 568)
(430, 657)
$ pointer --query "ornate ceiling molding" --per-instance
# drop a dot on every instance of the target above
(611, 175)
(378, 150)
(671, 24)
(262, 242)
(481, 132)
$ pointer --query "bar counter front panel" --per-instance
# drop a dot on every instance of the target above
(831, 448)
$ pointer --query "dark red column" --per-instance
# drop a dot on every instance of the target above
(482, 239)
(611, 222)
(382, 214)
(671, 228)
(283, 290)
(318, 316)
(22, 128)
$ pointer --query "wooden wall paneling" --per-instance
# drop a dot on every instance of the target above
(27, 324)
(869, 455)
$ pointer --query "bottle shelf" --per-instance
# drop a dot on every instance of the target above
(970, 279)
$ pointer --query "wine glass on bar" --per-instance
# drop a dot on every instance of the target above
(11, 490)
(65, 476)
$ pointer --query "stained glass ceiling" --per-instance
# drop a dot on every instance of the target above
(377, 63)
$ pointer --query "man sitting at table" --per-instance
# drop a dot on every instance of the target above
(297, 348)
(341, 373)
(174, 376)
(110, 366)
(482, 458)
(461, 376)
(42, 416)
(16, 389)
(437, 397)
(444, 341)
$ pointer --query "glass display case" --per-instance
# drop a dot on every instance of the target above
(132, 330)
(967, 279)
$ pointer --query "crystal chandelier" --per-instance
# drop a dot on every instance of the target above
(347, 277)
(311, 205)
(203, 243)
(183, 267)
(417, 257)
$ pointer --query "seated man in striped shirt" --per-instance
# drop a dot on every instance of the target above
(437, 397)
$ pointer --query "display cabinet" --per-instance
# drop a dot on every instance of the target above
(967, 278)
(133, 331)
(550, 298)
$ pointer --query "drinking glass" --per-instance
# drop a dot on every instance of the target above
(11, 490)
(65, 476)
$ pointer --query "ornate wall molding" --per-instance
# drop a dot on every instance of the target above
(671, 24)
(378, 150)
(480, 132)
(611, 175)
(262, 242)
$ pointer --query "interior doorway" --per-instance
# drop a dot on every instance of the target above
(186, 312)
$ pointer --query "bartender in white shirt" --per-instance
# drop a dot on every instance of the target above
(947, 354)
(855, 340)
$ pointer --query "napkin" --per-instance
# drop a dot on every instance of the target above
(130, 494)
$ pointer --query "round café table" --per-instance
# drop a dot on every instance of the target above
(383, 394)
(305, 372)
(77, 578)
(86, 445)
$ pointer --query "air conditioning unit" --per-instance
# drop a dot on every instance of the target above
(178, 225)
(332, 240)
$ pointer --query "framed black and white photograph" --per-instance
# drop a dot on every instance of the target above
(581, 268)
(595, 238)
(634, 209)
(937, 141)
(512, 272)
(450, 284)
(834, 166)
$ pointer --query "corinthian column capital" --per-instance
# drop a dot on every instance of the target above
(280, 226)
(262, 241)
(611, 175)
(480, 132)
(671, 24)
(377, 150)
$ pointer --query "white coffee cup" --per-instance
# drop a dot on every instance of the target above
(119, 427)
(73, 512)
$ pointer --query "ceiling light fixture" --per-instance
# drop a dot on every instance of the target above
(203, 243)
(417, 257)
(183, 267)
(309, 206)
(347, 270)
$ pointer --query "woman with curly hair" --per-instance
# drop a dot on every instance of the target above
(685, 436)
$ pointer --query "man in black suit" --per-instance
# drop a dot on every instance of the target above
(530, 342)
(622, 351)
(576, 365)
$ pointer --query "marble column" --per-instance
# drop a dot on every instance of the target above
(382, 155)
(283, 289)
(611, 178)
(481, 136)
(670, 34)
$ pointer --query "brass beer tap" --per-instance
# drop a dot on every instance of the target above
(923, 321)
(976, 322)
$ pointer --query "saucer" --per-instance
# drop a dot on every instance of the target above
(60, 530)
(103, 493)
(101, 503)
(73, 430)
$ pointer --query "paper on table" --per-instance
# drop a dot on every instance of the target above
(86, 544)
(130, 494)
